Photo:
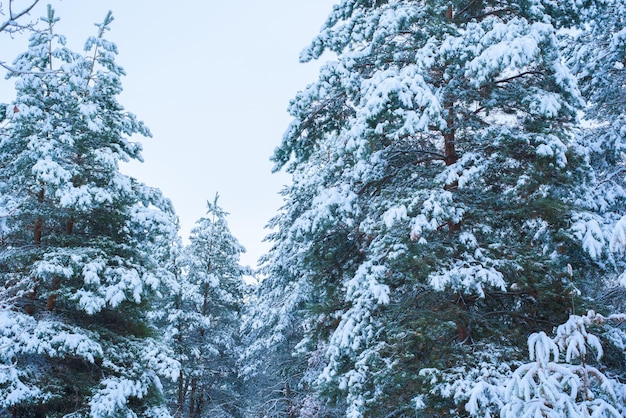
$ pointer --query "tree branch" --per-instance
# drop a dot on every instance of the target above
(13, 17)
(520, 75)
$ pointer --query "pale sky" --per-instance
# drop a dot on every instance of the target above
(212, 80)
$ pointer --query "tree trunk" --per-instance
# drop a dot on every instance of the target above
(449, 147)
(192, 397)
(39, 221)
(449, 150)
(38, 230)
(53, 294)
(290, 411)
(200, 401)
(463, 326)
(181, 394)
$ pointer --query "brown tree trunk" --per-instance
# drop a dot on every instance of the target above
(290, 409)
(463, 326)
(450, 155)
(449, 12)
(53, 294)
(449, 145)
(200, 401)
(464, 334)
(39, 221)
(38, 230)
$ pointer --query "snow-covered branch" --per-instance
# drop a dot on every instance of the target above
(11, 24)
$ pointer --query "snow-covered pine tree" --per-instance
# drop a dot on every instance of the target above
(570, 381)
(426, 231)
(81, 244)
(596, 51)
(203, 319)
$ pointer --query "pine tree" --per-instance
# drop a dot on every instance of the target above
(203, 317)
(427, 231)
(596, 51)
(82, 243)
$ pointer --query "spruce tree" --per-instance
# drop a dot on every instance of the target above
(428, 228)
(82, 243)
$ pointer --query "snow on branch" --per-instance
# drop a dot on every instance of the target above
(548, 387)
(10, 24)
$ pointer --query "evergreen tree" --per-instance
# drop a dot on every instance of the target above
(596, 51)
(82, 244)
(436, 179)
(203, 318)
(564, 379)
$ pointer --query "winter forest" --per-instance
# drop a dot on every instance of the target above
(451, 243)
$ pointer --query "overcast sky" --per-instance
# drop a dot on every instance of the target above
(212, 80)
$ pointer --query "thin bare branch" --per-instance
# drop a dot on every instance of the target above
(11, 23)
